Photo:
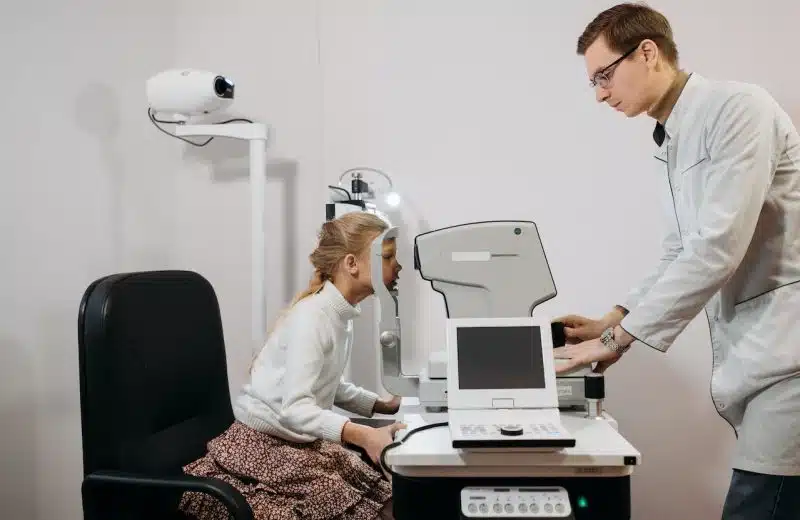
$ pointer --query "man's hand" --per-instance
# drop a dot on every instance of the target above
(390, 407)
(579, 328)
(584, 353)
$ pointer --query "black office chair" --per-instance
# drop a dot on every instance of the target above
(154, 391)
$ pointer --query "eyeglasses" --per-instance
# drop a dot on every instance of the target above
(603, 77)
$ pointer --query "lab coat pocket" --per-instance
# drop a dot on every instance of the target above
(690, 163)
(688, 184)
(763, 334)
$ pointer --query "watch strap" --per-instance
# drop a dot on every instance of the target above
(607, 339)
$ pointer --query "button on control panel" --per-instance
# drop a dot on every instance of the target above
(515, 502)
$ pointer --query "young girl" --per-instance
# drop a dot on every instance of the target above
(285, 450)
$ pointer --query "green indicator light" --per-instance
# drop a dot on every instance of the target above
(582, 502)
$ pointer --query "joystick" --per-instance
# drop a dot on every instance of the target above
(595, 391)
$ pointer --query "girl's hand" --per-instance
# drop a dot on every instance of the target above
(379, 438)
(371, 440)
(390, 407)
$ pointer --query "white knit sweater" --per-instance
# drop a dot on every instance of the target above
(297, 376)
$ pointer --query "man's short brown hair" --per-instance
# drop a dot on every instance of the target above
(625, 25)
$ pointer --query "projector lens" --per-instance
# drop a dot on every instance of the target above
(223, 88)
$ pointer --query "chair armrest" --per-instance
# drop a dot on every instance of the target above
(233, 501)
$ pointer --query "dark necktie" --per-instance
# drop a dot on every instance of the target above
(659, 134)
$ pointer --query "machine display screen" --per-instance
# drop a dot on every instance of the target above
(499, 357)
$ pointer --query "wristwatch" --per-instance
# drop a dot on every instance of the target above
(607, 339)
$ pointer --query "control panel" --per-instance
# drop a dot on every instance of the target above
(516, 502)
(503, 430)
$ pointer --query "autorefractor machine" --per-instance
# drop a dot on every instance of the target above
(496, 434)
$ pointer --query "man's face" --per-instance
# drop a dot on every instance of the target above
(625, 85)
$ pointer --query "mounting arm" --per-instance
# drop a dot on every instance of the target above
(256, 134)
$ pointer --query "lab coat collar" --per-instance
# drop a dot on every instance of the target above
(663, 134)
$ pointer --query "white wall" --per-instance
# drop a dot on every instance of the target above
(479, 110)
(270, 49)
(86, 190)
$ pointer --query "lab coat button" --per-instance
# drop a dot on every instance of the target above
(721, 406)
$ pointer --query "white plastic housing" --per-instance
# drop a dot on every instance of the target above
(188, 92)
(458, 398)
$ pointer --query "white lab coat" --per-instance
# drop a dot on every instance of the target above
(732, 156)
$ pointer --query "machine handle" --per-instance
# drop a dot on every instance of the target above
(559, 335)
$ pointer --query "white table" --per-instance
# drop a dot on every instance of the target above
(429, 474)
(599, 450)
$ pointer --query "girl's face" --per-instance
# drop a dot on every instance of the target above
(391, 267)
(357, 270)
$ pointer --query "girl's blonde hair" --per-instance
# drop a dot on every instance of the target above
(351, 233)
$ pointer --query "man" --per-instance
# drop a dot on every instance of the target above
(732, 158)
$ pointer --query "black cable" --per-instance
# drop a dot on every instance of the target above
(162, 121)
(341, 189)
(153, 118)
(234, 120)
(156, 121)
(398, 443)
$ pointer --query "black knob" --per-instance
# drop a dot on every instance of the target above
(559, 335)
(511, 429)
(594, 386)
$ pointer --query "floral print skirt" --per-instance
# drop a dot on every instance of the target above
(282, 480)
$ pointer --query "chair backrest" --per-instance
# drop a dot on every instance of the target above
(153, 372)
